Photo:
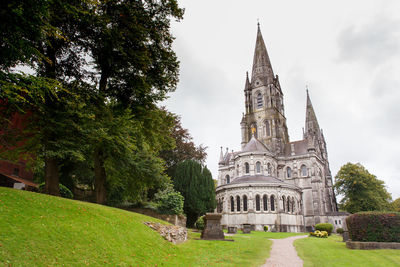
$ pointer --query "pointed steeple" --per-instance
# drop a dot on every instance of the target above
(262, 68)
(221, 158)
(312, 126)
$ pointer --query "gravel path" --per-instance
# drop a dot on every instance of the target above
(283, 253)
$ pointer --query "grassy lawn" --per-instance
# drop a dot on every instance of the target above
(40, 230)
(332, 252)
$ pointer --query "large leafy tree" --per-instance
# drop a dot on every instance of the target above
(134, 66)
(131, 45)
(361, 190)
(196, 185)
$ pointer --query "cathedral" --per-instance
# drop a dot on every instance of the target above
(285, 185)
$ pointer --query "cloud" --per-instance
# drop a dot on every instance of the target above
(373, 43)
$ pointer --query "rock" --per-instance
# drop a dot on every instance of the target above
(172, 233)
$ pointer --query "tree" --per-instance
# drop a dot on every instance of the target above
(395, 205)
(196, 185)
(184, 148)
(361, 190)
(131, 45)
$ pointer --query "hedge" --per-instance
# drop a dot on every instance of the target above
(324, 227)
(374, 226)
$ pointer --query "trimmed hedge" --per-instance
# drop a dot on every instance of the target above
(324, 227)
(374, 226)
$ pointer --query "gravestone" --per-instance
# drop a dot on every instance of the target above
(212, 228)
(345, 236)
(246, 228)
(232, 230)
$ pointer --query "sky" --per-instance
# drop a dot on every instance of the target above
(346, 52)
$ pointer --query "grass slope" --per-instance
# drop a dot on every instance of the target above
(332, 252)
(41, 230)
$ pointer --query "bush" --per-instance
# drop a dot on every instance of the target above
(199, 224)
(265, 228)
(169, 201)
(320, 234)
(374, 226)
(324, 227)
(64, 191)
(340, 231)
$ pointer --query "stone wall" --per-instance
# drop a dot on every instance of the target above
(179, 220)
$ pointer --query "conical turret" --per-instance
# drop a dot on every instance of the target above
(262, 69)
(221, 158)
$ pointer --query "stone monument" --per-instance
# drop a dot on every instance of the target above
(212, 229)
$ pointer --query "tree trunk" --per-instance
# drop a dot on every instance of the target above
(51, 177)
(99, 177)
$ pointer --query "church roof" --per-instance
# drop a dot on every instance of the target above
(255, 145)
(296, 147)
(259, 179)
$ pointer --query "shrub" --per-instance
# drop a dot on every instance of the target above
(169, 201)
(340, 231)
(64, 191)
(324, 227)
(265, 228)
(374, 226)
(320, 234)
(199, 224)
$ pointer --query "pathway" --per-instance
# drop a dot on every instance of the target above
(283, 253)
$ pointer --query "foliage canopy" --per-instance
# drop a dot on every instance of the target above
(361, 190)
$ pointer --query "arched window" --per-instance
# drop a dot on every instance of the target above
(258, 167)
(272, 203)
(284, 203)
(288, 172)
(228, 179)
(247, 168)
(303, 170)
(237, 170)
(257, 203)
(292, 204)
(232, 205)
(288, 204)
(267, 128)
(259, 100)
(265, 202)
(237, 203)
(269, 168)
(244, 203)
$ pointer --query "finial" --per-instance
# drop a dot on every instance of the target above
(227, 149)
(307, 88)
(247, 74)
(258, 22)
(221, 148)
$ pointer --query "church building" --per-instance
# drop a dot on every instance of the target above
(285, 185)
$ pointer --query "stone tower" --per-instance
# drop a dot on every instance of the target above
(264, 103)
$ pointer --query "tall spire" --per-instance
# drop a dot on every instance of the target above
(262, 68)
(312, 126)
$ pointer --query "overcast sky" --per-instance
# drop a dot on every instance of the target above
(347, 52)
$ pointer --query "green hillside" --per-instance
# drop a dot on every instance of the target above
(41, 230)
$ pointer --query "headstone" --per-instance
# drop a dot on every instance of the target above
(246, 228)
(212, 228)
(232, 230)
(345, 236)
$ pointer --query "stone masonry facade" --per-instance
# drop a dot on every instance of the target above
(272, 181)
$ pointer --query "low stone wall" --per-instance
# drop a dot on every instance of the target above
(172, 233)
(179, 220)
(372, 245)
